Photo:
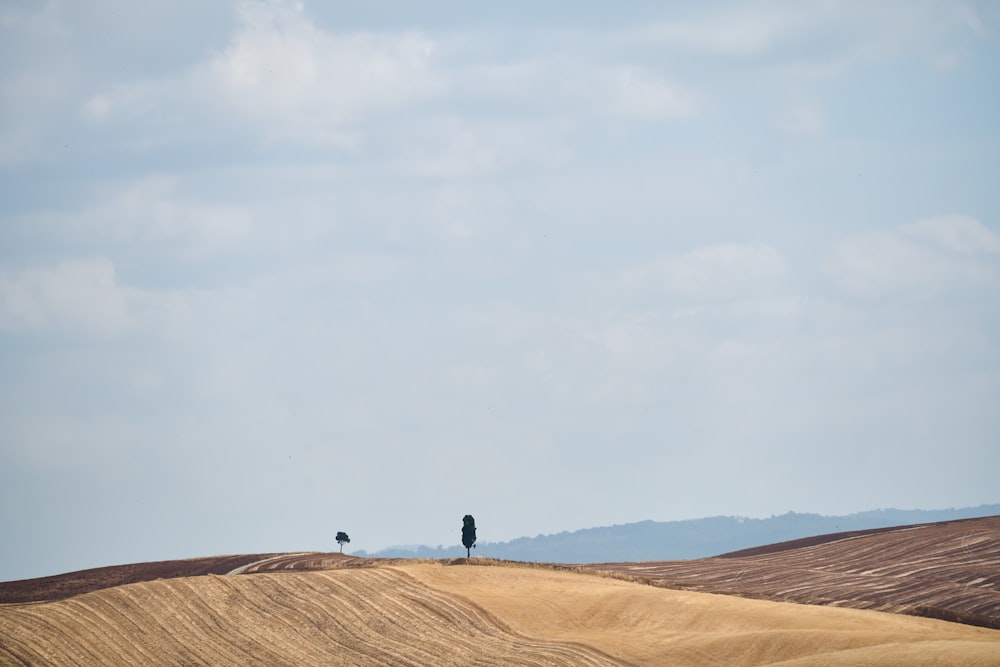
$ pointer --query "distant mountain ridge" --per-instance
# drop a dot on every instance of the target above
(677, 540)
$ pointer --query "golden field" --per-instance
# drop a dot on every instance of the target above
(823, 600)
(435, 613)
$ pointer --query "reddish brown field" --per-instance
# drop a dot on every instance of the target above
(320, 608)
(437, 613)
(948, 570)
(61, 586)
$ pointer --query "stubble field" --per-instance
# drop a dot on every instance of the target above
(301, 609)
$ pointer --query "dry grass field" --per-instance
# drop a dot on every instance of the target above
(643, 625)
(441, 614)
(301, 609)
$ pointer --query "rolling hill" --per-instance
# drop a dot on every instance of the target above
(321, 608)
(691, 538)
(948, 570)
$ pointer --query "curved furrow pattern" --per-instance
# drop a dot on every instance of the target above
(62, 586)
(353, 616)
(948, 570)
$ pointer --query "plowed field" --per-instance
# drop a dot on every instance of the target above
(947, 570)
(60, 586)
(316, 608)
(357, 616)
(438, 614)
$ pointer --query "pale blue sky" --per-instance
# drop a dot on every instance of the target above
(271, 270)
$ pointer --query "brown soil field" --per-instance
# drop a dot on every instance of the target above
(327, 608)
(61, 586)
(435, 613)
(948, 570)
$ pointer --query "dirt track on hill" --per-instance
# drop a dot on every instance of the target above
(61, 586)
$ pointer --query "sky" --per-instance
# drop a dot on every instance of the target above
(272, 270)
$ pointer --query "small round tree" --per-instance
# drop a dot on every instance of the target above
(341, 539)
(468, 534)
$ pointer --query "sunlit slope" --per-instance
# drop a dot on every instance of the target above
(651, 626)
(349, 617)
(436, 614)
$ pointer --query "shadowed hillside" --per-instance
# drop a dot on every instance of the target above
(947, 570)
(60, 586)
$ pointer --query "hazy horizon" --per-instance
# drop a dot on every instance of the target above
(270, 270)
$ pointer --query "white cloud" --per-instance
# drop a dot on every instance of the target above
(806, 42)
(300, 82)
(282, 80)
(632, 92)
(955, 233)
(921, 259)
(97, 108)
(455, 147)
(86, 297)
(802, 120)
(27, 103)
(354, 268)
(723, 271)
(287, 81)
(153, 211)
(467, 212)
(531, 238)
(577, 89)
(77, 295)
(734, 34)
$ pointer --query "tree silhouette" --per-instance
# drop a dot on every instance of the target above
(341, 538)
(468, 533)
